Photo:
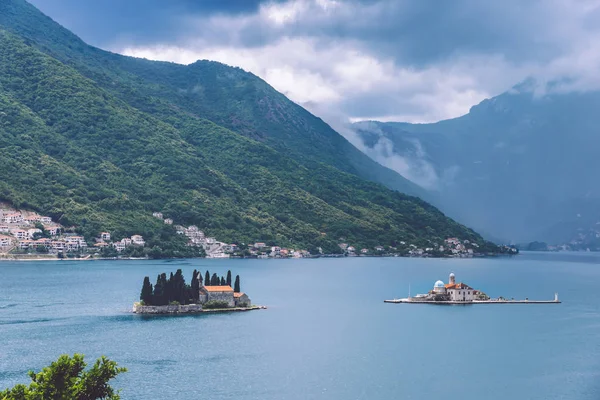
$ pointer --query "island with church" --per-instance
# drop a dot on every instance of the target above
(172, 295)
(461, 293)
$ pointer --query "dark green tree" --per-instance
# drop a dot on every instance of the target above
(236, 286)
(195, 286)
(207, 278)
(160, 298)
(223, 282)
(229, 278)
(146, 294)
(214, 280)
(178, 287)
(66, 378)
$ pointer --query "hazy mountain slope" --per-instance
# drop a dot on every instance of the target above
(82, 154)
(517, 166)
(227, 96)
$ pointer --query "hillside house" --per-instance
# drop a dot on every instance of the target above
(13, 218)
(105, 236)
(137, 240)
(6, 241)
(158, 215)
(168, 221)
(19, 233)
(52, 230)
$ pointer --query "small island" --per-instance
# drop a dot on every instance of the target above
(461, 293)
(171, 295)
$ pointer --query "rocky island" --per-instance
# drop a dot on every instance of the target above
(173, 296)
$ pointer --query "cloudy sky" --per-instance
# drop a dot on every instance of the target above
(402, 60)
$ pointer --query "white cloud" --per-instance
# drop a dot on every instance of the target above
(393, 60)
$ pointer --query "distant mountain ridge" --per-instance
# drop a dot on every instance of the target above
(518, 166)
(100, 141)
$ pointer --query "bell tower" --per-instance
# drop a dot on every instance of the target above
(451, 279)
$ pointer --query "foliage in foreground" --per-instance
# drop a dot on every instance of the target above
(66, 379)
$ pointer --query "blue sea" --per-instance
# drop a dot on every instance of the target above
(326, 333)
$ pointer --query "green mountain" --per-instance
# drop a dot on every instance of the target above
(518, 166)
(100, 140)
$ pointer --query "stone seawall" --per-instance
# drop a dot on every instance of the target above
(170, 309)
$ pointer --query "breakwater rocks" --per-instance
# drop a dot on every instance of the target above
(187, 309)
(170, 309)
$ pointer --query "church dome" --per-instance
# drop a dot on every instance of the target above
(451, 274)
(438, 284)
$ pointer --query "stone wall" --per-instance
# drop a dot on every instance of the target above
(222, 296)
(170, 309)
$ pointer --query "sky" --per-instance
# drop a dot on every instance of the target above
(387, 60)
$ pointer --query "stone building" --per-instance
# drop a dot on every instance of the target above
(453, 291)
(217, 293)
(241, 299)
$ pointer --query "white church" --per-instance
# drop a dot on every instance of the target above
(453, 291)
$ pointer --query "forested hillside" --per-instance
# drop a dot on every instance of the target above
(100, 141)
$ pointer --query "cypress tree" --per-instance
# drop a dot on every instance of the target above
(223, 283)
(229, 278)
(195, 286)
(207, 278)
(214, 280)
(236, 287)
(159, 298)
(146, 294)
(169, 289)
(178, 287)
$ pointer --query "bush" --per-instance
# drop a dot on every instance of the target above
(214, 304)
(174, 303)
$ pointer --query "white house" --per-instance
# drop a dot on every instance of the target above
(137, 240)
(13, 218)
(5, 241)
(19, 233)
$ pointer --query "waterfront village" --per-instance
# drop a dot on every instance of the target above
(26, 233)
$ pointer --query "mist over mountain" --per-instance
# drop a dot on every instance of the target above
(520, 166)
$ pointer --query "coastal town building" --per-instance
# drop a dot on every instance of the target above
(6, 241)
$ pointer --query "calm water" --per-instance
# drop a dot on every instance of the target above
(327, 333)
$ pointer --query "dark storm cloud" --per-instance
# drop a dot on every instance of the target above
(139, 21)
(420, 60)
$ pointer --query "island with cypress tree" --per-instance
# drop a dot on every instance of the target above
(172, 295)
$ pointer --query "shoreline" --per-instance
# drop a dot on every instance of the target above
(4, 257)
(189, 309)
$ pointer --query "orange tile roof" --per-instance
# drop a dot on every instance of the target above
(218, 288)
(459, 285)
(239, 294)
